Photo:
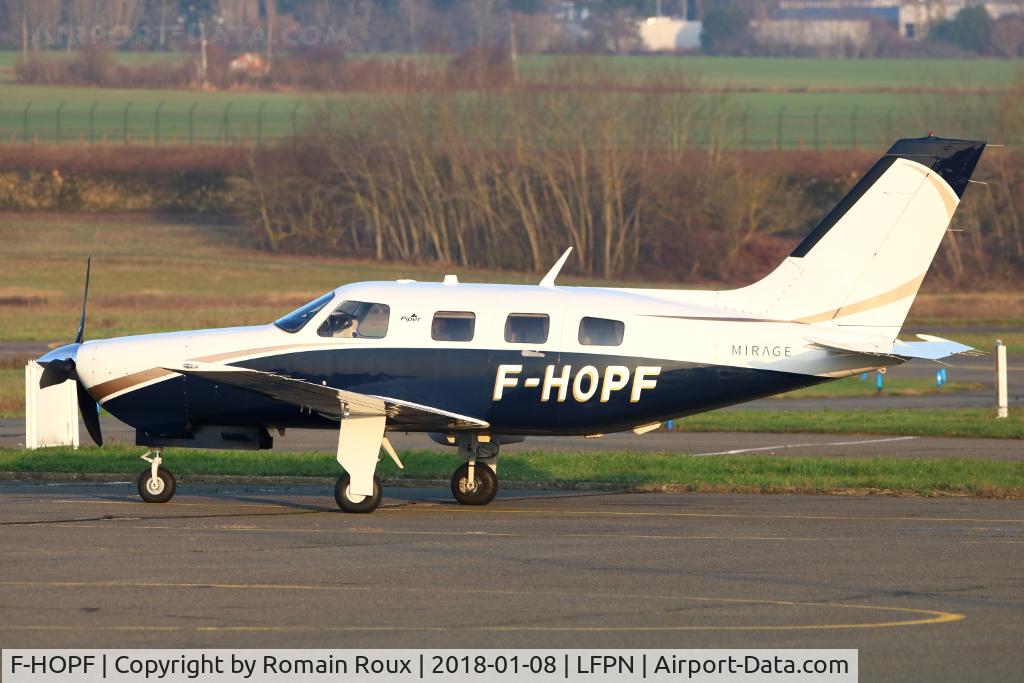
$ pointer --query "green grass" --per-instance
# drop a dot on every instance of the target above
(809, 120)
(112, 106)
(643, 471)
(12, 393)
(893, 386)
(862, 103)
(740, 72)
(812, 73)
(960, 422)
(867, 120)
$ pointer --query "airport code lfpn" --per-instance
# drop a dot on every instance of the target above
(42, 666)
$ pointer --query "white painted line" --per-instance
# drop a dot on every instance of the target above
(806, 445)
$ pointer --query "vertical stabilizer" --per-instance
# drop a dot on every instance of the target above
(863, 264)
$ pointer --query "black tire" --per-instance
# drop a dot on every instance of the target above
(161, 490)
(367, 504)
(484, 490)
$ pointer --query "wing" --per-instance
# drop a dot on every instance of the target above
(335, 403)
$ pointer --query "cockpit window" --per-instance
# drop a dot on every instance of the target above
(601, 332)
(357, 319)
(297, 319)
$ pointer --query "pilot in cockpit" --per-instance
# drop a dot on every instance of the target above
(342, 324)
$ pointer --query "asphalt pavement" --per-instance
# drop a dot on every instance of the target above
(926, 589)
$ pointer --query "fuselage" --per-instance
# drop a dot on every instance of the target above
(526, 359)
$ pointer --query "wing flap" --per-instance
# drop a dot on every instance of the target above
(329, 401)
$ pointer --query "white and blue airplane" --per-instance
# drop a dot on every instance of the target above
(481, 365)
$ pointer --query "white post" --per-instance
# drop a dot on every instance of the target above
(1002, 398)
(51, 414)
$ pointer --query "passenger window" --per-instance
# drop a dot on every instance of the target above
(601, 332)
(453, 326)
(527, 328)
(356, 319)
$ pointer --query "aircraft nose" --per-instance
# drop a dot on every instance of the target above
(59, 365)
(66, 352)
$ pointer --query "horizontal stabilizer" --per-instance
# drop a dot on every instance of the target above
(932, 348)
(328, 401)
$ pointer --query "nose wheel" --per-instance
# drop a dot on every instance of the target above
(156, 484)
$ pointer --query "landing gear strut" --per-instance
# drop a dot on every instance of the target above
(360, 438)
(475, 482)
(156, 484)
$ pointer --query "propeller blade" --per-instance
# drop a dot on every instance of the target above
(85, 297)
(87, 406)
(56, 372)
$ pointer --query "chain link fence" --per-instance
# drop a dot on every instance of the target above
(257, 122)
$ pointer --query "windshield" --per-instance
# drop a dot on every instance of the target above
(297, 319)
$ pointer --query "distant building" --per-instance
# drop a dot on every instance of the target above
(911, 18)
(667, 34)
(815, 33)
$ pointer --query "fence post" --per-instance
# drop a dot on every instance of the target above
(124, 122)
(1002, 402)
(295, 119)
(227, 122)
(92, 122)
(817, 140)
(191, 123)
(24, 122)
(156, 122)
(259, 123)
(888, 125)
(60, 109)
(745, 113)
(853, 127)
(778, 132)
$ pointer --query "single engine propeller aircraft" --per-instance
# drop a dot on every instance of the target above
(480, 365)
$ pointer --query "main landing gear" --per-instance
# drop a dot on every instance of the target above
(156, 484)
(475, 482)
(360, 440)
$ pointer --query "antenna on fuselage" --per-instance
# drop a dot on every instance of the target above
(549, 279)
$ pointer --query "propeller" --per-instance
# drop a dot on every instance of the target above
(59, 366)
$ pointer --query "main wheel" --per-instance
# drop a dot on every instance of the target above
(480, 491)
(349, 502)
(159, 490)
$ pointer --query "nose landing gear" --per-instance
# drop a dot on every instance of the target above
(156, 484)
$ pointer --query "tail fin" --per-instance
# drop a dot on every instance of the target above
(863, 264)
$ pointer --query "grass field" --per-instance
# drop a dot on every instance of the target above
(896, 386)
(754, 474)
(956, 422)
(761, 120)
(798, 102)
(739, 72)
(12, 392)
